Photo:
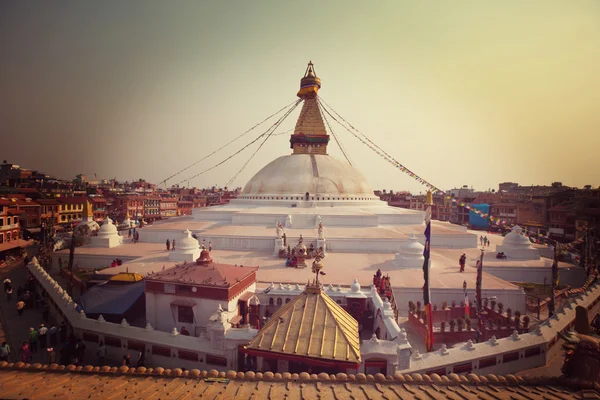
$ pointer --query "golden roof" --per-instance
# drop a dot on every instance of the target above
(126, 277)
(311, 325)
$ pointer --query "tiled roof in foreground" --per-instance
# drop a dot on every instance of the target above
(18, 381)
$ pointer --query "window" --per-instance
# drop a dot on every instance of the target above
(185, 314)
(8, 221)
(1, 221)
(63, 218)
(279, 302)
(271, 301)
(287, 300)
(8, 236)
(1, 237)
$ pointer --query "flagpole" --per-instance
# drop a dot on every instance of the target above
(554, 282)
(478, 299)
(426, 291)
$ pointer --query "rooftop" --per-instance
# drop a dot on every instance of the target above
(311, 325)
(213, 274)
(36, 381)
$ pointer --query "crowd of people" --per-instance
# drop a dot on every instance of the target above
(43, 338)
(116, 262)
(383, 285)
(484, 241)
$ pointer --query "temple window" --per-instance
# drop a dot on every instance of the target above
(271, 302)
(279, 302)
(287, 300)
(185, 315)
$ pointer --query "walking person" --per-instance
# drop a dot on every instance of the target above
(20, 307)
(173, 245)
(53, 335)
(33, 339)
(209, 246)
(7, 284)
(4, 351)
(481, 240)
(168, 245)
(43, 336)
(25, 353)
(51, 356)
(9, 293)
(462, 260)
(101, 353)
(141, 360)
(488, 241)
(126, 360)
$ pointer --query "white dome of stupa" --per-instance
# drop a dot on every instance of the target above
(186, 248)
(108, 228)
(108, 236)
(187, 242)
(515, 237)
(318, 175)
(410, 254)
(518, 247)
(412, 247)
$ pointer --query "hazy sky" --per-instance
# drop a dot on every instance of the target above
(462, 92)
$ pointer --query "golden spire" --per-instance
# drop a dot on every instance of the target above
(310, 84)
(310, 135)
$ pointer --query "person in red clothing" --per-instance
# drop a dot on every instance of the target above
(25, 352)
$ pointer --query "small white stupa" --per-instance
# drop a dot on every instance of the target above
(518, 247)
(108, 236)
(186, 248)
(410, 254)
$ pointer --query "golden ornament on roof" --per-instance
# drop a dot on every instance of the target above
(310, 83)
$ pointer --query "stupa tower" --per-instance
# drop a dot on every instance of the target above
(310, 136)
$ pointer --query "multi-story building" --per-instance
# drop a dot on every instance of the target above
(12, 175)
(168, 207)
(71, 209)
(131, 206)
(9, 222)
(198, 201)
(445, 209)
(151, 207)
(184, 207)
(99, 207)
(505, 211)
(29, 218)
(49, 208)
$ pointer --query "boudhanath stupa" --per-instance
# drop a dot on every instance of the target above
(295, 194)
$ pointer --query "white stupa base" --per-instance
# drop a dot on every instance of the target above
(106, 241)
(323, 244)
(189, 255)
(527, 253)
(403, 262)
(278, 246)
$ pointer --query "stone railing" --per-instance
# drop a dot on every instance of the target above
(166, 349)
(508, 355)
